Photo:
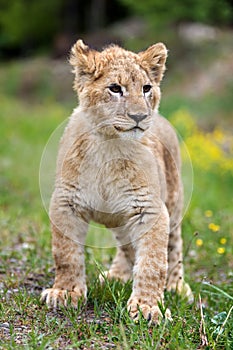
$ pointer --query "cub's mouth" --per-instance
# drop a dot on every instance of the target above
(135, 128)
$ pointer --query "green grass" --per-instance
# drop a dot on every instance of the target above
(26, 265)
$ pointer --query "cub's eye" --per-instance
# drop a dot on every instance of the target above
(116, 89)
(146, 88)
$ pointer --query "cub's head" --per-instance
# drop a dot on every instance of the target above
(118, 89)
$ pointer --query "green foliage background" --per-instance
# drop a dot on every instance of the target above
(159, 12)
(33, 25)
(28, 21)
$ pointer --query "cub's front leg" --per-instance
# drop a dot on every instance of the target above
(68, 252)
(150, 272)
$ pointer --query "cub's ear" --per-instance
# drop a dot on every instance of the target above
(153, 61)
(83, 59)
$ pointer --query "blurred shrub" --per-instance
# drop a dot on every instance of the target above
(31, 25)
(209, 151)
(27, 23)
(159, 12)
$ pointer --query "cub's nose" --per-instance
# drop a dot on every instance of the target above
(137, 117)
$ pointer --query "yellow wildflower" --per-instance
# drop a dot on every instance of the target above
(221, 250)
(184, 122)
(223, 241)
(199, 242)
(208, 151)
(208, 213)
(218, 135)
(213, 227)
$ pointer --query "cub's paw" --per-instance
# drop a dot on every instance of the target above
(183, 289)
(55, 297)
(151, 313)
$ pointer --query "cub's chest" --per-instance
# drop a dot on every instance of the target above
(115, 175)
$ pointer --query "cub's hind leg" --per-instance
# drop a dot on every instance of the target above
(175, 276)
(68, 251)
(122, 265)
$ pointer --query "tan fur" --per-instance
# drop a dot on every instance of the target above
(125, 178)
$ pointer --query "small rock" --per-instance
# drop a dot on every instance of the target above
(197, 32)
(5, 325)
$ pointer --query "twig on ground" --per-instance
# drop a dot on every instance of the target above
(204, 340)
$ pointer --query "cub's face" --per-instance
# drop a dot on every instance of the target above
(118, 89)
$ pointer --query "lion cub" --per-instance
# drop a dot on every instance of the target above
(119, 165)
